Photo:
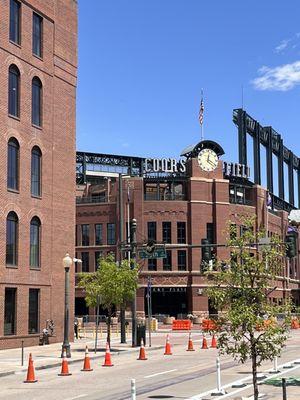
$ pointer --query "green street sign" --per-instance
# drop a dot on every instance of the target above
(158, 253)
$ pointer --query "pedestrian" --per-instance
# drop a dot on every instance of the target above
(76, 328)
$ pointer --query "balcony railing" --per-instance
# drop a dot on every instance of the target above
(95, 199)
(162, 197)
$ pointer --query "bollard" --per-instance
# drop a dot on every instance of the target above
(22, 353)
(284, 389)
(275, 364)
(133, 390)
(220, 391)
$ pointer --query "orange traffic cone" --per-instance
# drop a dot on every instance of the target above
(168, 351)
(190, 344)
(30, 371)
(107, 360)
(204, 343)
(86, 362)
(64, 366)
(142, 355)
(213, 342)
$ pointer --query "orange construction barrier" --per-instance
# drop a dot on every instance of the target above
(107, 360)
(213, 342)
(64, 366)
(295, 323)
(181, 325)
(209, 325)
(190, 343)
(30, 371)
(86, 362)
(204, 343)
(142, 355)
(168, 351)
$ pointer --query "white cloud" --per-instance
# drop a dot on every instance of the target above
(283, 77)
(282, 45)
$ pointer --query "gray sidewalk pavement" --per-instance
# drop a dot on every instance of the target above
(49, 356)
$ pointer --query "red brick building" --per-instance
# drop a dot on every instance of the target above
(38, 63)
(174, 202)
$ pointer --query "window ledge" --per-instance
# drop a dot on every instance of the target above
(40, 128)
(14, 117)
(35, 268)
(13, 191)
(15, 43)
(37, 56)
(11, 266)
(36, 197)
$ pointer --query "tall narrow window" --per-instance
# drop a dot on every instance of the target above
(167, 261)
(37, 35)
(152, 264)
(15, 22)
(111, 234)
(13, 150)
(37, 89)
(12, 222)
(151, 230)
(36, 157)
(85, 235)
(98, 255)
(98, 235)
(181, 232)
(181, 260)
(166, 232)
(14, 91)
(85, 258)
(35, 228)
(10, 311)
(34, 311)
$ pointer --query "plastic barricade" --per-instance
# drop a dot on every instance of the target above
(209, 325)
(181, 325)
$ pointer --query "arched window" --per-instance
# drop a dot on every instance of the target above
(35, 233)
(12, 234)
(36, 168)
(13, 150)
(37, 88)
(14, 91)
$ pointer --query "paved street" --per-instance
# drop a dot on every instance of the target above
(184, 375)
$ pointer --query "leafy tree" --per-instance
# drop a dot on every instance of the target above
(111, 285)
(240, 288)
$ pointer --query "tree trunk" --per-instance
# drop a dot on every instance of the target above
(254, 366)
(108, 326)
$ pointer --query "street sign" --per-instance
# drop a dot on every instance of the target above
(157, 253)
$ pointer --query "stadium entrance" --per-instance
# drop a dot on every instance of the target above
(168, 300)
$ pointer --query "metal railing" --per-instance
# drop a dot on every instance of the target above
(95, 199)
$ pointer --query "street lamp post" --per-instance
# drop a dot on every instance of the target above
(67, 262)
(133, 305)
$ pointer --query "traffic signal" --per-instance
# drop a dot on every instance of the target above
(206, 250)
(291, 245)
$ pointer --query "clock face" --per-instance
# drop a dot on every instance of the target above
(208, 160)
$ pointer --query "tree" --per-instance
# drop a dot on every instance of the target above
(111, 285)
(240, 288)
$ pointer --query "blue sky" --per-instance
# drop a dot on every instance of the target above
(142, 64)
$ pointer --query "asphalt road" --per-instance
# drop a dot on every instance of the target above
(184, 375)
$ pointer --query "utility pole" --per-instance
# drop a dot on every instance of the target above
(121, 227)
(133, 258)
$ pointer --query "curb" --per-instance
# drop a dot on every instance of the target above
(95, 357)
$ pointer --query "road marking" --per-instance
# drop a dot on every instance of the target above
(199, 396)
(76, 397)
(160, 373)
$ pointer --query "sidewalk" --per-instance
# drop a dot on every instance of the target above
(49, 356)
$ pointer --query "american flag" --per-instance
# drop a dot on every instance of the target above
(201, 112)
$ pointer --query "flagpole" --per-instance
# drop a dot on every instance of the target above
(201, 112)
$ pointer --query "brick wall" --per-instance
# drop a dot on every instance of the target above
(56, 139)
